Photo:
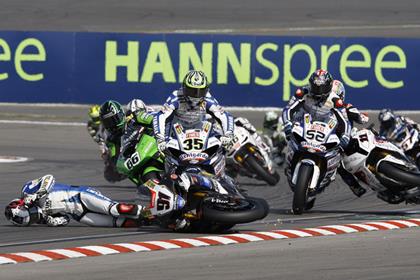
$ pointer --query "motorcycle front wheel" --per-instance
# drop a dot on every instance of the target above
(261, 172)
(300, 195)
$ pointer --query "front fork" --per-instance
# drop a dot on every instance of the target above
(315, 174)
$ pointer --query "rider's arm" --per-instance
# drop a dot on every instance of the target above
(164, 116)
(294, 105)
(35, 189)
(355, 115)
(225, 119)
(343, 125)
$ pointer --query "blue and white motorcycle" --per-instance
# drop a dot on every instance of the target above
(312, 160)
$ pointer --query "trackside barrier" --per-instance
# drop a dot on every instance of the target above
(245, 70)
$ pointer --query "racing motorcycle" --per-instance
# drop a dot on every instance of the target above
(143, 160)
(212, 203)
(249, 158)
(382, 166)
(312, 160)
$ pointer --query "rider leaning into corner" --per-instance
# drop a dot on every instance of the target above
(189, 105)
(322, 96)
(43, 201)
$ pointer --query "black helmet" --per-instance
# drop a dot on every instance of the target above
(195, 85)
(112, 116)
(320, 83)
(387, 118)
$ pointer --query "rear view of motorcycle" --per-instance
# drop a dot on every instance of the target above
(382, 166)
(312, 160)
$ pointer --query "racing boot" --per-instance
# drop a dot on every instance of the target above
(390, 197)
(358, 190)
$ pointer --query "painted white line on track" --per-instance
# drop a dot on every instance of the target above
(12, 159)
(119, 248)
(294, 29)
(43, 123)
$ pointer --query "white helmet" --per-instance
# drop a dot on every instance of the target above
(135, 105)
(20, 215)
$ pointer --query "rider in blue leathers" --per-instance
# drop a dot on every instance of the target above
(189, 106)
(43, 201)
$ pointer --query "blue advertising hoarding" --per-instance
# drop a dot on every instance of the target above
(260, 71)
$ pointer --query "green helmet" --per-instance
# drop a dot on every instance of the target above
(112, 116)
(195, 85)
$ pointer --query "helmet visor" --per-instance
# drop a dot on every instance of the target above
(195, 92)
(113, 122)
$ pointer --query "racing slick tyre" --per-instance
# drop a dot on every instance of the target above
(406, 177)
(261, 172)
(238, 211)
(300, 195)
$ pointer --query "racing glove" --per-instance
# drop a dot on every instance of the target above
(161, 146)
(227, 139)
(60, 221)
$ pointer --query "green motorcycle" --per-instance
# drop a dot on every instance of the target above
(140, 158)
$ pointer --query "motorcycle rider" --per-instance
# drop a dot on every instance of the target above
(391, 125)
(112, 117)
(322, 96)
(43, 201)
(95, 128)
(319, 101)
(189, 105)
(273, 131)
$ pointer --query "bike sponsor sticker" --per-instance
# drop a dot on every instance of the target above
(193, 157)
(193, 134)
(313, 148)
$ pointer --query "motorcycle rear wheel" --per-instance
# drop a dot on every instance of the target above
(300, 195)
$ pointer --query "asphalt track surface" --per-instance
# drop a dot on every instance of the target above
(72, 157)
(381, 18)
(69, 154)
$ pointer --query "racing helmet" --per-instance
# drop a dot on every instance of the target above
(339, 89)
(270, 119)
(387, 118)
(94, 114)
(195, 86)
(320, 83)
(21, 215)
(112, 116)
(134, 106)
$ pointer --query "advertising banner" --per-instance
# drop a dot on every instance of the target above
(245, 70)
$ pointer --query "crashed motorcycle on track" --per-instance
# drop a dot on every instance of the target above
(203, 196)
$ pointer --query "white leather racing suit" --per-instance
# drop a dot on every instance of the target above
(178, 108)
(319, 109)
(58, 202)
